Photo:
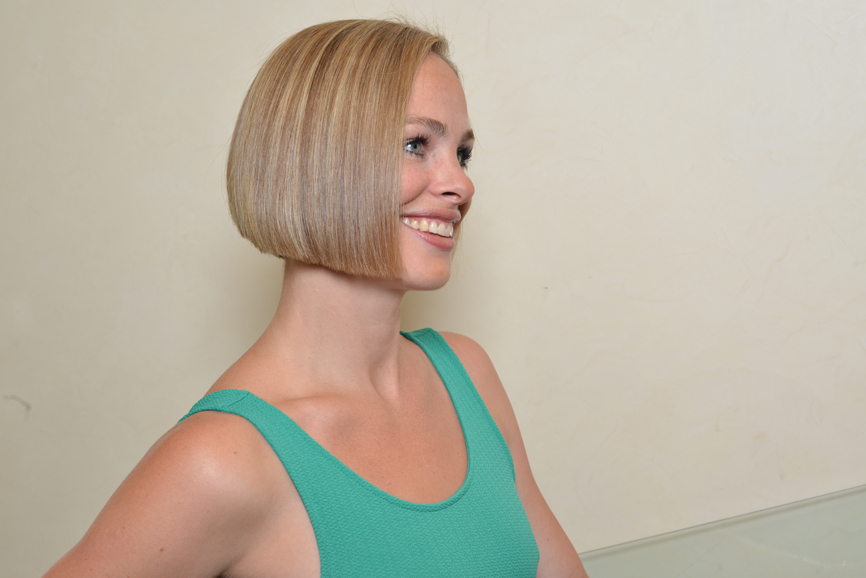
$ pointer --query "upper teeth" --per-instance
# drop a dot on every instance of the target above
(430, 226)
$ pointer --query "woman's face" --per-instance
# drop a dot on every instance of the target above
(434, 192)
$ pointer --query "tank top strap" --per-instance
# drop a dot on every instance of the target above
(297, 451)
(478, 425)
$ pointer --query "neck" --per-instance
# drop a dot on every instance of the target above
(337, 329)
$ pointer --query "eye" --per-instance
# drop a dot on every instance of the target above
(463, 156)
(416, 145)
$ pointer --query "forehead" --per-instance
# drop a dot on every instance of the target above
(436, 91)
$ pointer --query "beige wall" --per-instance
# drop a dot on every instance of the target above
(666, 256)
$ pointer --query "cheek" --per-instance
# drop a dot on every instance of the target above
(411, 184)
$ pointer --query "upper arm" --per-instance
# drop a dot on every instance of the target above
(189, 508)
(557, 555)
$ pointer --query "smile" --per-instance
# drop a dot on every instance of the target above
(440, 228)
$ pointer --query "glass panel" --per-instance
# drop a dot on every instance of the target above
(824, 536)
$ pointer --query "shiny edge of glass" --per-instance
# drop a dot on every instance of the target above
(819, 536)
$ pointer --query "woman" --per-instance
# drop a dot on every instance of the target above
(348, 160)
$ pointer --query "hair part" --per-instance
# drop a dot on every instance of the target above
(314, 164)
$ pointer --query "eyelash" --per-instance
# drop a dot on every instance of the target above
(463, 153)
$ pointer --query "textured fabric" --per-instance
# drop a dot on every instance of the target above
(481, 530)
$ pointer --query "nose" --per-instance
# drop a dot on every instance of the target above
(453, 184)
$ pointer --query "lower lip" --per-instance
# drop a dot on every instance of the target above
(441, 243)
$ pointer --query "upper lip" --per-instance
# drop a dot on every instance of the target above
(446, 215)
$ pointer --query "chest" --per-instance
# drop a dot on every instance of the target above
(418, 454)
(340, 523)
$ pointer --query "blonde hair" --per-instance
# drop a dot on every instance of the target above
(314, 166)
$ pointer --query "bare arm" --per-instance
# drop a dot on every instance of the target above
(190, 508)
(558, 558)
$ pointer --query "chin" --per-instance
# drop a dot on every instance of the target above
(428, 279)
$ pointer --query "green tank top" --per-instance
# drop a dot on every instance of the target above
(481, 530)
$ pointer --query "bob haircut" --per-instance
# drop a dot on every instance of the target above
(314, 165)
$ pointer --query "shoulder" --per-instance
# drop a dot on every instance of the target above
(475, 360)
(465, 347)
(222, 454)
(193, 506)
(480, 369)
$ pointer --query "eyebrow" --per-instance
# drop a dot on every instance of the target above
(437, 127)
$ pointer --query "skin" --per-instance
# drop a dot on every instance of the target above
(211, 498)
